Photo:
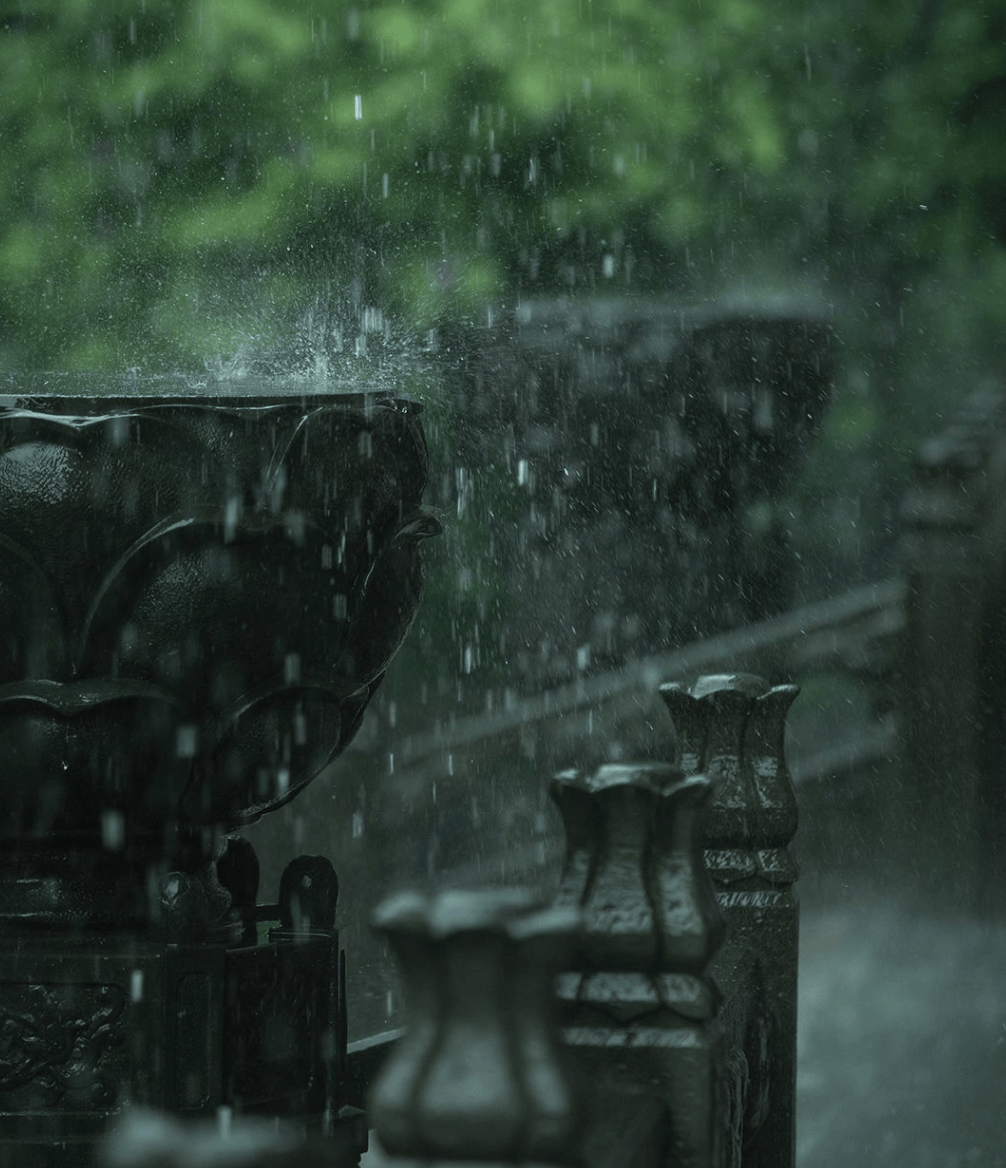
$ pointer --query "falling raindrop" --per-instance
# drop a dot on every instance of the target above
(113, 830)
(187, 741)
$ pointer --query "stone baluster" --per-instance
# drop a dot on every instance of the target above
(731, 727)
(639, 1008)
(480, 1075)
(634, 867)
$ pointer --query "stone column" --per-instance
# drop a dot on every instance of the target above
(731, 728)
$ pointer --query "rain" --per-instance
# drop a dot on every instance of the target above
(392, 398)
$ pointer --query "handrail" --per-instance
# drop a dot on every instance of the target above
(842, 632)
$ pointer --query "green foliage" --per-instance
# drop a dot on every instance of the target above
(192, 182)
(181, 172)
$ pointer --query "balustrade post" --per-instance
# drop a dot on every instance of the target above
(480, 1075)
(639, 1007)
(952, 677)
(731, 728)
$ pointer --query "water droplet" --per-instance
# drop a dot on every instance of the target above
(113, 830)
(186, 741)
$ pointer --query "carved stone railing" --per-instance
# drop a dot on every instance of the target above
(685, 1041)
(200, 594)
(679, 1004)
(675, 927)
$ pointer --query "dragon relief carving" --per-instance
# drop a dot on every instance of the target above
(58, 1043)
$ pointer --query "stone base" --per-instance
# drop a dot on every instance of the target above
(93, 1024)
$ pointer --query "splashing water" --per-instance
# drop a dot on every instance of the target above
(345, 347)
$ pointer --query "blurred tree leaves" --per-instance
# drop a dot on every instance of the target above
(182, 174)
(189, 182)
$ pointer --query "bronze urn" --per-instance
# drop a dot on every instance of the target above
(200, 591)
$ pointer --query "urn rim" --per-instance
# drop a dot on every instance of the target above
(99, 392)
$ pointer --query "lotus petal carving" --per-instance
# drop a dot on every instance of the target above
(199, 597)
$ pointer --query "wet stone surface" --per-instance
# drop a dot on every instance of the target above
(902, 1034)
